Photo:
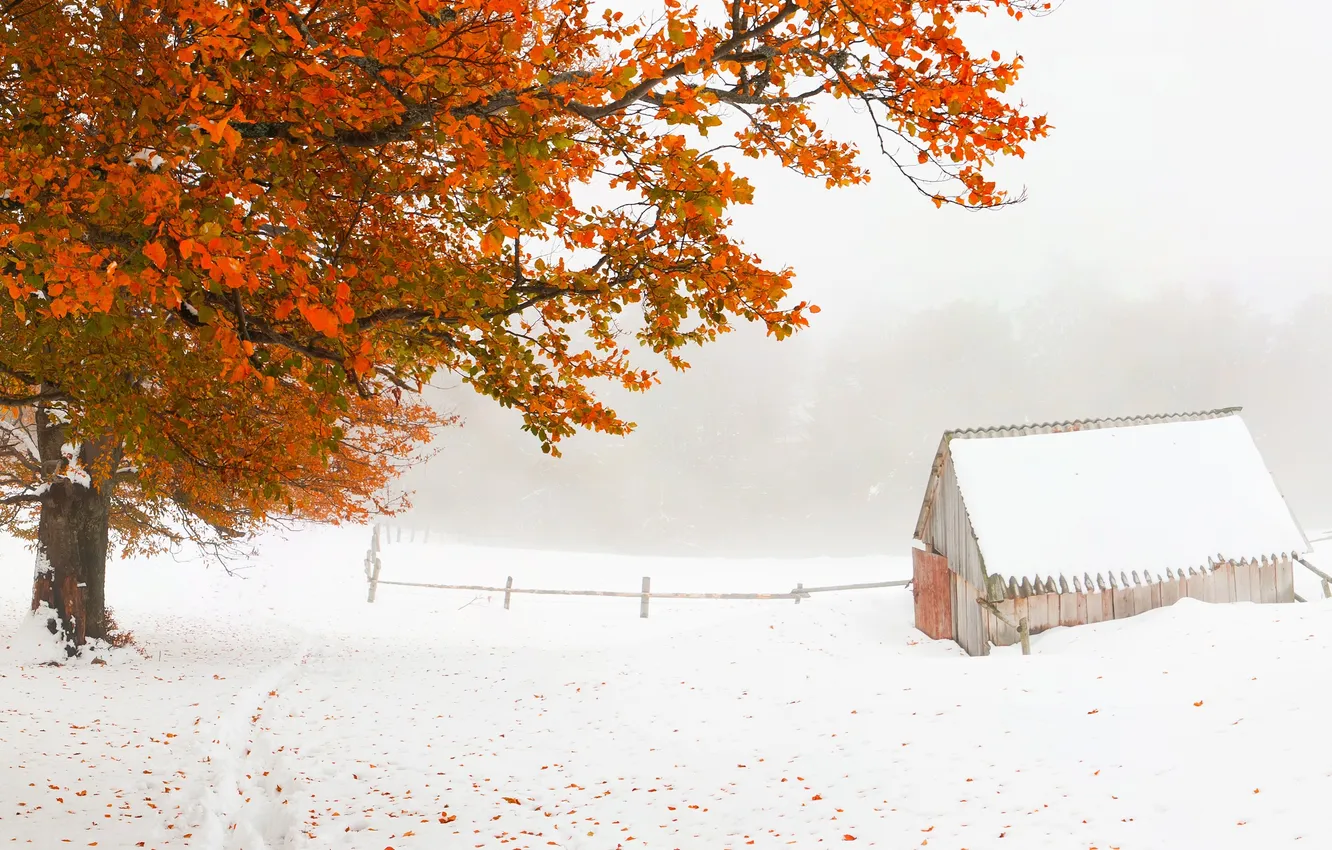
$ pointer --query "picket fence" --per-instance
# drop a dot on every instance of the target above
(1045, 604)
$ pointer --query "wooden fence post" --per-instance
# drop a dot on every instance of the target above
(508, 591)
(643, 600)
(374, 581)
(1327, 589)
(1024, 635)
(800, 588)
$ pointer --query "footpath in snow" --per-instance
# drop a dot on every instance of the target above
(280, 710)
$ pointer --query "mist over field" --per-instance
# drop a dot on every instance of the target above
(1157, 266)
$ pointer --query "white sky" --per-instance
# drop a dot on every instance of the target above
(1188, 151)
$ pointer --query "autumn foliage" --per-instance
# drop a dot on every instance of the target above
(229, 229)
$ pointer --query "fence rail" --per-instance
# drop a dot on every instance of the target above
(373, 566)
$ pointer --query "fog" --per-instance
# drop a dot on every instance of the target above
(1172, 255)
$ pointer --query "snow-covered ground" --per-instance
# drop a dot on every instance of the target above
(282, 711)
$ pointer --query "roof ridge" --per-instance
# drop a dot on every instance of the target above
(1091, 423)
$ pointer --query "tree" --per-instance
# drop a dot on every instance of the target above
(195, 460)
(259, 210)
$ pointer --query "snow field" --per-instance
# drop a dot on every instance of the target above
(282, 711)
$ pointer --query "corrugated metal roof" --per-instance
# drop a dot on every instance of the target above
(1089, 424)
(936, 469)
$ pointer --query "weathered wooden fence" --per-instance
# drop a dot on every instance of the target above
(1045, 604)
(373, 567)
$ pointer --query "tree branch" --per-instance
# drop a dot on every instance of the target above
(36, 398)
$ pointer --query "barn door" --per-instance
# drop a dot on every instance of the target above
(933, 593)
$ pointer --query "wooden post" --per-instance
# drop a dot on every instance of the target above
(1327, 589)
(800, 588)
(508, 591)
(374, 580)
(1024, 635)
(643, 600)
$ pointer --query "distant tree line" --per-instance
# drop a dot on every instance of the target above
(822, 445)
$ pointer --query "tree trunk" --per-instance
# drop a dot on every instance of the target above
(72, 537)
(72, 540)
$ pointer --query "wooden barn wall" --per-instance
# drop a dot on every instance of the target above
(971, 621)
(950, 529)
(1049, 603)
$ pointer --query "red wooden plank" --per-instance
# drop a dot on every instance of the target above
(931, 586)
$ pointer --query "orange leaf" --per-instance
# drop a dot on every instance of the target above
(156, 253)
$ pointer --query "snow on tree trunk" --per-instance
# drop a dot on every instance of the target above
(70, 582)
(73, 532)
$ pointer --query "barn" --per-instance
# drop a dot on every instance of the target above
(1067, 523)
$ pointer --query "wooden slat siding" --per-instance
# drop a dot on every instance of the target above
(1222, 583)
(933, 594)
(1169, 589)
(1210, 583)
(1255, 582)
(1267, 582)
(1142, 595)
(954, 611)
(1033, 604)
(1242, 591)
(1068, 609)
(1232, 581)
(1285, 575)
(1107, 591)
(981, 617)
(1001, 633)
(980, 625)
(1196, 585)
(961, 627)
(1154, 590)
(1042, 607)
(1094, 605)
(950, 529)
(995, 625)
(1083, 609)
(1123, 598)
(1053, 614)
(971, 630)
(1038, 612)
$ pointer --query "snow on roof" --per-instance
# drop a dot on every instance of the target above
(1159, 496)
